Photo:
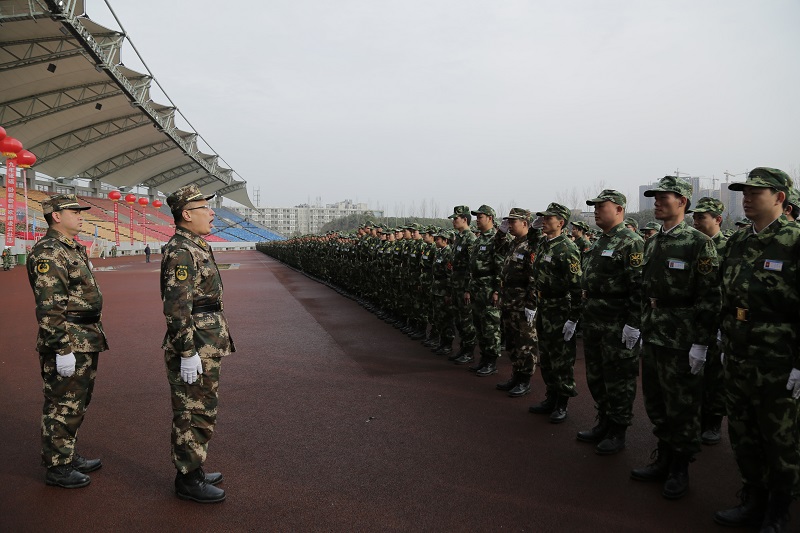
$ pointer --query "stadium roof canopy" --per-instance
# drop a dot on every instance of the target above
(66, 95)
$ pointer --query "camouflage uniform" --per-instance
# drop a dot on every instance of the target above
(557, 274)
(459, 282)
(442, 294)
(191, 291)
(760, 328)
(7, 259)
(68, 309)
(611, 290)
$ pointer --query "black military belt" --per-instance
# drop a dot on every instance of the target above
(603, 296)
(210, 308)
(743, 314)
(92, 317)
(666, 303)
(545, 295)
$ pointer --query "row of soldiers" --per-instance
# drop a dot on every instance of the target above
(715, 323)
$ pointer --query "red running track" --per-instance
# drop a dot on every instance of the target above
(329, 420)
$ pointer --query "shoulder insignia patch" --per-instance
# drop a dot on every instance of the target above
(43, 266)
(181, 272)
(705, 265)
(636, 259)
(575, 267)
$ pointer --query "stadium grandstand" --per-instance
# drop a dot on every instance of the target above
(92, 124)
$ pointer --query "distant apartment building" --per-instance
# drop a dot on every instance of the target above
(304, 218)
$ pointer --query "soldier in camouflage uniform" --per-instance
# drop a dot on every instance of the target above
(7, 258)
(760, 331)
(518, 303)
(632, 225)
(707, 217)
(557, 286)
(459, 282)
(680, 301)
(650, 229)
(483, 292)
(427, 257)
(611, 290)
(70, 338)
(442, 292)
(197, 339)
(579, 229)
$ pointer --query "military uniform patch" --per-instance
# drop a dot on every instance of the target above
(575, 267)
(636, 259)
(43, 266)
(705, 265)
(181, 272)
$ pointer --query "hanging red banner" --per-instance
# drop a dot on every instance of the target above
(11, 200)
(116, 222)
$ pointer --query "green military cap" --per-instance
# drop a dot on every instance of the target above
(557, 210)
(652, 225)
(415, 226)
(765, 177)
(485, 210)
(59, 202)
(671, 184)
(707, 204)
(609, 195)
(631, 222)
(743, 222)
(189, 193)
(793, 197)
(433, 230)
(442, 234)
(581, 225)
(518, 213)
(459, 210)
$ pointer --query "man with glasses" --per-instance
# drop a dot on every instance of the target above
(196, 340)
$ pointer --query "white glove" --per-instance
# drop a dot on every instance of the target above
(630, 336)
(569, 329)
(697, 357)
(65, 364)
(794, 383)
(503, 227)
(530, 315)
(190, 368)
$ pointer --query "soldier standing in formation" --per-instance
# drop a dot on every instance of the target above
(70, 338)
(442, 292)
(197, 339)
(459, 280)
(579, 232)
(557, 278)
(611, 290)
(680, 289)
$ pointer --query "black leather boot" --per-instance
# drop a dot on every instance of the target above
(614, 441)
(66, 476)
(84, 465)
(777, 517)
(750, 512)
(480, 364)
(508, 385)
(545, 407)
(559, 414)
(193, 486)
(464, 355)
(659, 468)
(444, 349)
(430, 342)
(489, 368)
(677, 483)
(522, 388)
(212, 478)
(711, 434)
(597, 433)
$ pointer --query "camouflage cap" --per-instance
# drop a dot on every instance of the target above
(433, 230)
(765, 177)
(557, 210)
(414, 227)
(485, 210)
(652, 226)
(518, 213)
(59, 202)
(706, 204)
(793, 197)
(189, 193)
(671, 184)
(743, 222)
(459, 210)
(609, 195)
(581, 225)
(631, 222)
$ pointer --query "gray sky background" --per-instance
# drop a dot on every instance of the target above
(471, 102)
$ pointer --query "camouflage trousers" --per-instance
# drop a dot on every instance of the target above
(611, 371)
(194, 412)
(462, 313)
(443, 316)
(486, 317)
(521, 342)
(713, 384)
(65, 404)
(556, 356)
(763, 424)
(672, 397)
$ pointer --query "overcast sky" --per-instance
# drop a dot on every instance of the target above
(501, 102)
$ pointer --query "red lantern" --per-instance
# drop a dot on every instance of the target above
(143, 201)
(25, 159)
(130, 199)
(157, 204)
(115, 195)
(2, 133)
(10, 147)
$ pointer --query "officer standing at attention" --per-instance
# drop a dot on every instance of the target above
(760, 330)
(579, 229)
(557, 285)
(680, 310)
(459, 281)
(70, 338)
(611, 290)
(707, 217)
(196, 340)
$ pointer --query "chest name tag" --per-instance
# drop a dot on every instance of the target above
(676, 265)
(608, 253)
(483, 248)
(548, 258)
(458, 248)
(520, 256)
(775, 266)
